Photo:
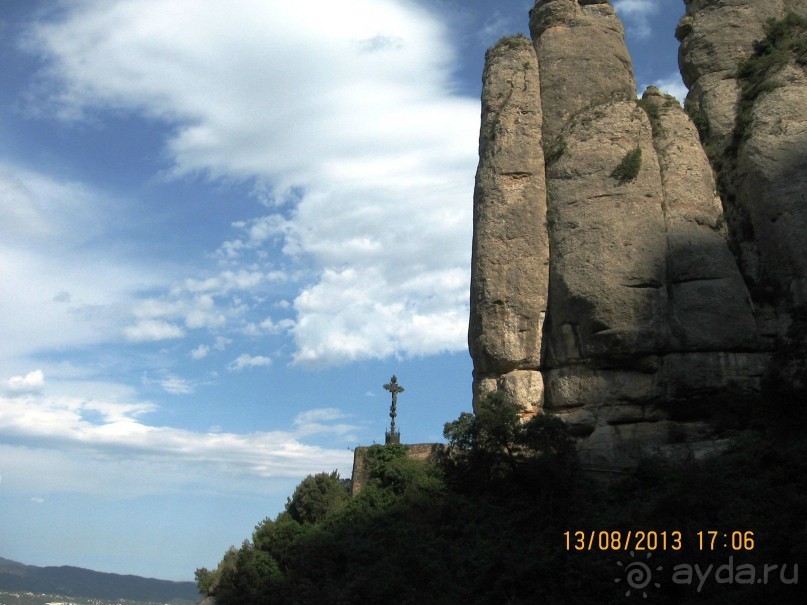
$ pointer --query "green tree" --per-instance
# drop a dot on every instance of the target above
(209, 581)
(317, 497)
(495, 447)
(205, 579)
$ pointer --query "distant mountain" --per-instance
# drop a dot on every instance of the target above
(78, 582)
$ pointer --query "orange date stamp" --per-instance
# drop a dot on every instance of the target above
(653, 540)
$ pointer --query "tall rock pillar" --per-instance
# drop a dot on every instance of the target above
(509, 269)
(607, 231)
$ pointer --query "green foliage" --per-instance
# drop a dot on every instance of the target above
(208, 581)
(628, 168)
(699, 119)
(492, 429)
(495, 451)
(205, 580)
(784, 39)
(486, 524)
(317, 497)
(391, 469)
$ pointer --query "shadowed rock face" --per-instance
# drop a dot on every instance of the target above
(758, 146)
(759, 149)
(604, 288)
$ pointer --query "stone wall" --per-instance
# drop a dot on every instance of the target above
(418, 451)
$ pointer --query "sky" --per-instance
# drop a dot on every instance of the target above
(223, 227)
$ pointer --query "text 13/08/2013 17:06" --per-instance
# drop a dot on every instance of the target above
(605, 540)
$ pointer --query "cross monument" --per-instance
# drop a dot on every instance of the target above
(393, 436)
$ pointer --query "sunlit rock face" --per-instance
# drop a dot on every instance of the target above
(510, 263)
(607, 284)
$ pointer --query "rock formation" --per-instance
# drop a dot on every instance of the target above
(510, 264)
(606, 287)
(756, 135)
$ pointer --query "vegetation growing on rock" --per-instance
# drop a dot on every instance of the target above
(628, 169)
(784, 39)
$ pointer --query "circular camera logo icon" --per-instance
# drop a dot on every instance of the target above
(638, 575)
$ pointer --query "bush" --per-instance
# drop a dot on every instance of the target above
(317, 497)
(628, 168)
(783, 39)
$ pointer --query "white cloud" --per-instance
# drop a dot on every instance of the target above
(176, 385)
(200, 352)
(103, 447)
(636, 15)
(32, 381)
(53, 256)
(149, 330)
(339, 308)
(315, 422)
(343, 116)
(245, 361)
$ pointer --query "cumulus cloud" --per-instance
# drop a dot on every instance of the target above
(149, 330)
(341, 114)
(96, 446)
(245, 361)
(32, 381)
(636, 15)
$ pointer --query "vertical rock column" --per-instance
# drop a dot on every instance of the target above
(606, 317)
(509, 270)
(582, 58)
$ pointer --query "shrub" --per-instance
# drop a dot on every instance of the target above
(628, 168)
(317, 497)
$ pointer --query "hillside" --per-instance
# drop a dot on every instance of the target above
(78, 582)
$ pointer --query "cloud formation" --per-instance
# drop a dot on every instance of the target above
(341, 114)
(127, 456)
(636, 15)
(32, 381)
(245, 361)
(46, 304)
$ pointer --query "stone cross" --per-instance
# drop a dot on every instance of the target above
(394, 388)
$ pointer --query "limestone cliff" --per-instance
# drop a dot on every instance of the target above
(605, 284)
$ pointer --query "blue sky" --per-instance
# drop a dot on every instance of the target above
(223, 227)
